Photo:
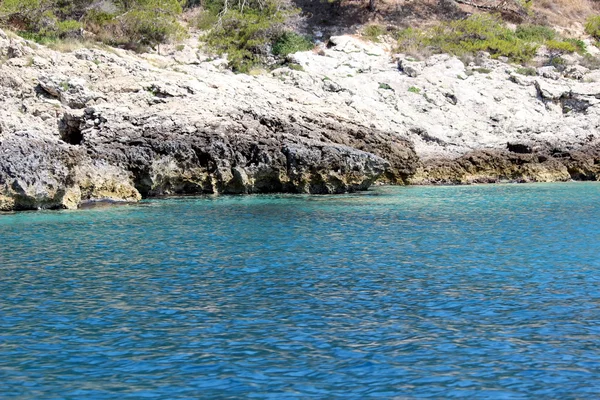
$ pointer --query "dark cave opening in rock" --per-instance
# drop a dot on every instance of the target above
(70, 131)
(72, 136)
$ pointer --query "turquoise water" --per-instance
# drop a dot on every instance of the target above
(477, 292)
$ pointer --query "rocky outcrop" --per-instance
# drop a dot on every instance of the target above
(44, 173)
(173, 151)
(41, 173)
(96, 125)
(106, 126)
(492, 166)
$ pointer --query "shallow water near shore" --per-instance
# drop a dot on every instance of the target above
(488, 291)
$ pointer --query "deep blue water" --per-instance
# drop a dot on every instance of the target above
(478, 292)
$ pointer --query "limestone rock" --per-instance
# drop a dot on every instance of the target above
(37, 173)
(549, 72)
(576, 72)
(410, 68)
(72, 92)
(97, 125)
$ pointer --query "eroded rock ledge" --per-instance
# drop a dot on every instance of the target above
(96, 125)
(518, 163)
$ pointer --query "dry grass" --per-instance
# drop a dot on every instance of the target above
(9, 33)
(568, 14)
(70, 45)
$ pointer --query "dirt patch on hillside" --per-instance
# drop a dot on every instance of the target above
(348, 16)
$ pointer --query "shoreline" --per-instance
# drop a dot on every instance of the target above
(117, 126)
(97, 205)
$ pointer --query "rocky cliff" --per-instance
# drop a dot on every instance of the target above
(103, 124)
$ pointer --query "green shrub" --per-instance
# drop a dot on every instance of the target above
(215, 7)
(412, 40)
(25, 13)
(206, 20)
(248, 32)
(528, 71)
(373, 32)
(482, 32)
(579, 45)
(146, 27)
(295, 67)
(592, 26)
(38, 38)
(560, 46)
(65, 28)
(136, 23)
(243, 36)
(414, 89)
(535, 33)
(290, 42)
(473, 34)
(548, 37)
(557, 62)
(98, 17)
(385, 86)
(482, 70)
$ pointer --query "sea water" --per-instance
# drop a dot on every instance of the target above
(399, 292)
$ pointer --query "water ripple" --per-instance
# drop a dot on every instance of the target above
(477, 292)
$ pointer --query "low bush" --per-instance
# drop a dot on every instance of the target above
(487, 33)
(412, 41)
(244, 36)
(535, 33)
(206, 20)
(135, 23)
(295, 67)
(476, 33)
(98, 17)
(560, 46)
(373, 32)
(557, 62)
(579, 45)
(592, 26)
(290, 42)
(68, 28)
(146, 27)
(251, 32)
(38, 38)
(528, 71)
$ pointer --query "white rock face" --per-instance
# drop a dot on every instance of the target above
(160, 124)
(457, 109)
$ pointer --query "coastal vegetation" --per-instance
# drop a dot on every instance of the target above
(374, 32)
(592, 26)
(482, 32)
(248, 32)
(133, 24)
(259, 33)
